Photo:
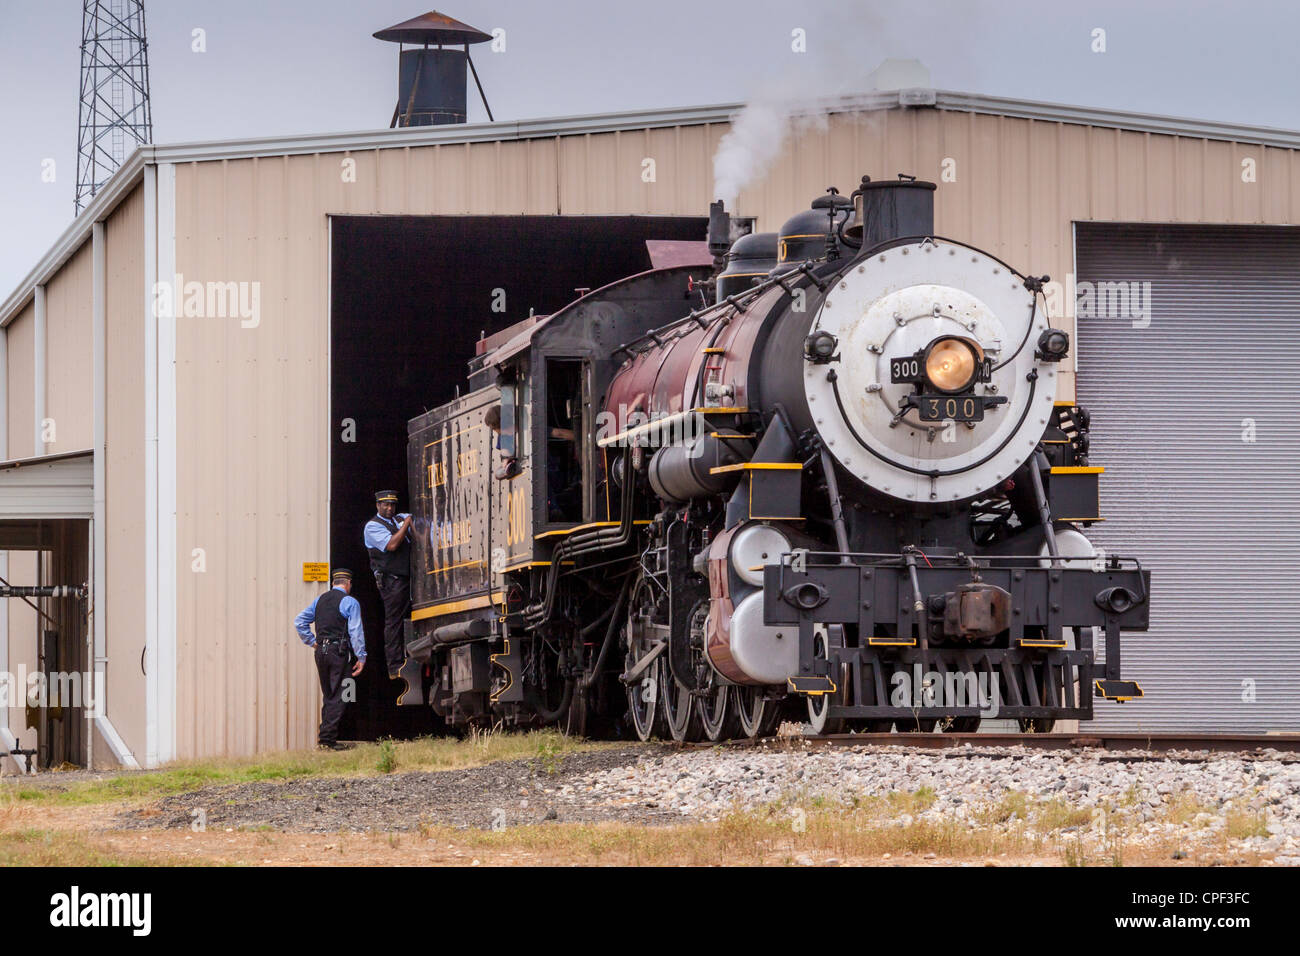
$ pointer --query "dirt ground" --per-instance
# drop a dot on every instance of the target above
(534, 810)
(511, 793)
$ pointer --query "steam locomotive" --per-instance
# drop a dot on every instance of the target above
(825, 479)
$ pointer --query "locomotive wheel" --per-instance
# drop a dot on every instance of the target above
(680, 713)
(643, 700)
(718, 713)
(819, 705)
(681, 709)
(645, 705)
(753, 710)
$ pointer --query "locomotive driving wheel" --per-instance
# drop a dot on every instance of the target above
(717, 704)
(643, 695)
(753, 710)
(819, 705)
(684, 718)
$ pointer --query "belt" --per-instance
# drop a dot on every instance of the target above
(328, 643)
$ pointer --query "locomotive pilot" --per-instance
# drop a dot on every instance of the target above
(389, 547)
(339, 637)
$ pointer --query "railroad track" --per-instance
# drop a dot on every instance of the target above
(1185, 748)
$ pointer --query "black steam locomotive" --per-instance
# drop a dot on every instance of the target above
(826, 479)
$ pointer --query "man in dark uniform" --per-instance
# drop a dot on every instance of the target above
(390, 560)
(339, 636)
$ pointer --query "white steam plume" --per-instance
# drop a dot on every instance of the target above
(835, 65)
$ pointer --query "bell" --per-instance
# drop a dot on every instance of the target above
(853, 229)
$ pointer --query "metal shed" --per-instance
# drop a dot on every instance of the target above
(212, 435)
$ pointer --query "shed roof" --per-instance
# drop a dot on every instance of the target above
(129, 174)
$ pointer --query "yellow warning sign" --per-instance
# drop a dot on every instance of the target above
(315, 571)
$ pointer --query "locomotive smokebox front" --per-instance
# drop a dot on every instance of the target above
(925, 366)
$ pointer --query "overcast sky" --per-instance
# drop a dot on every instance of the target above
(299, 66)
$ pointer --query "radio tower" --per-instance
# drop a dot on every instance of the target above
(115, 115)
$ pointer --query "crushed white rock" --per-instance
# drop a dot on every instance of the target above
(707, 784)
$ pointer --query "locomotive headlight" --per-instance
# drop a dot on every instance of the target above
(819, 347)
(1053, 345)
(951, 363)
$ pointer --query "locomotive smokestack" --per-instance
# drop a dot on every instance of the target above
(891, 209)
(719, 233)
(431, 81)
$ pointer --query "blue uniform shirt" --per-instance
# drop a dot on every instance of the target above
(377, 536)
(350, 609)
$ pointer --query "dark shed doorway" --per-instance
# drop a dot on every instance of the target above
(409, 297)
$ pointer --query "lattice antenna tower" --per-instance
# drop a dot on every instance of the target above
(114, 117)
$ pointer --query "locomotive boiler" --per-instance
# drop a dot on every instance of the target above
(826, 479)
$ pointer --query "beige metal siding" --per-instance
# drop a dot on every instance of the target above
(68, 344)
(123, 602)
(20, 404)
(252, 416)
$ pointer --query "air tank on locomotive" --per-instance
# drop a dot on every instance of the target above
(811, 234)
(751, 257)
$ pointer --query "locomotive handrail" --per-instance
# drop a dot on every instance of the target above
(697, 315)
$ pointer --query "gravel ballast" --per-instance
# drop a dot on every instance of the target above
(658, 785)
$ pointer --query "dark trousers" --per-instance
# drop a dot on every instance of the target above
(396, 592)
(332, 666)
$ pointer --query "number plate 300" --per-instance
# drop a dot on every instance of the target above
(958, 408)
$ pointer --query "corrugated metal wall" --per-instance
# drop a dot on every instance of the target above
(1193, 415)
(20, 403)
(124, 437)
(252, 411)
(68, 344)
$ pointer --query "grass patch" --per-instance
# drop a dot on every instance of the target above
(61, 848)
(426, 753)
(771, 835)
(1241, 824)
(387, 762)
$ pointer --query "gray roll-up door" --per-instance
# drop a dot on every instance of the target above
(1196, 418)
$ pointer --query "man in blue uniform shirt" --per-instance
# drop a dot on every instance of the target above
(389, 548)
(339, 637)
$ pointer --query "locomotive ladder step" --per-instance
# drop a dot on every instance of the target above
(1119, 690)
(814, 686)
